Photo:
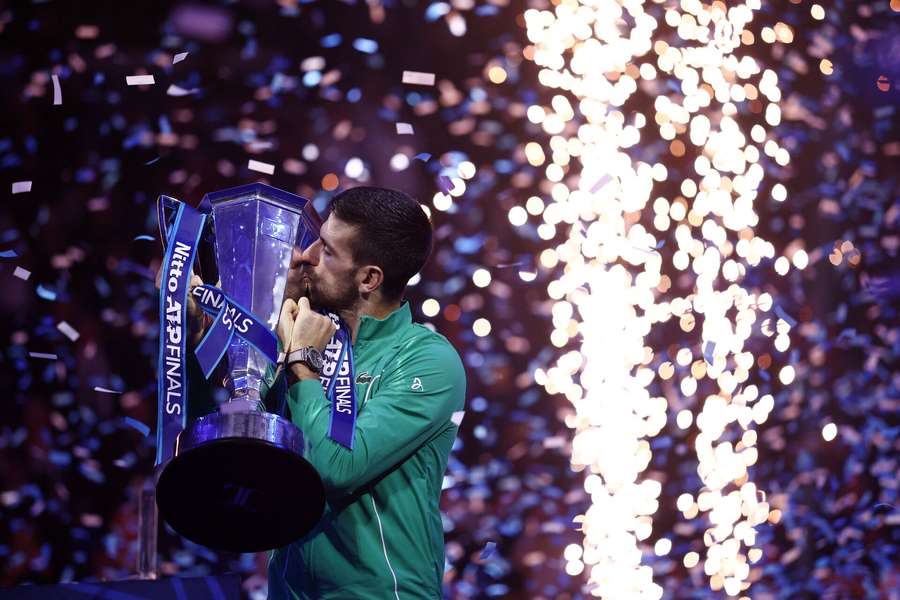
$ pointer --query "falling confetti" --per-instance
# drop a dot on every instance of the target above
(19, 187)
(139, 80)
(255, 165)
(57, 91)
(68, 331)
(418, 78)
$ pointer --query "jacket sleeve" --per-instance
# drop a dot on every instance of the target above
(416, 398)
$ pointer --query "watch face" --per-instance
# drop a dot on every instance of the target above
(315, 358)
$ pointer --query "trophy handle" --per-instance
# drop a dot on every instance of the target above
(205, 264)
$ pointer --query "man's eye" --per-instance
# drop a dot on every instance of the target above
(326, 250)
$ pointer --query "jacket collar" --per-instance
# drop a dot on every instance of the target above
(371, 328)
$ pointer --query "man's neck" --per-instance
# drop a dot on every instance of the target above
(353, 316)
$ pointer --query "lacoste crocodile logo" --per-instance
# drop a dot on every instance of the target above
(364, 378)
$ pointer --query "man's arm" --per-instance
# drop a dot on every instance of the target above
(416, 398)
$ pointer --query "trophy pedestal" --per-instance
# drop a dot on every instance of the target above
(238, 482)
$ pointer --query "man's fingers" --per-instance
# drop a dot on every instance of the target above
(289, 308)
(303, 305)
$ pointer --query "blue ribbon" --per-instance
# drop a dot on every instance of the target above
(176, 268)
(230, 318)
(337, 378)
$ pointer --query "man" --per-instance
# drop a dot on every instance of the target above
(381, 534)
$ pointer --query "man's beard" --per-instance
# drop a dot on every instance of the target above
(335, 300)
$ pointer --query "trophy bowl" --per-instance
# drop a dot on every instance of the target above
(237, 479)
(250, 487)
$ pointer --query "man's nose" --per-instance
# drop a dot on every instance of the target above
(301, 257)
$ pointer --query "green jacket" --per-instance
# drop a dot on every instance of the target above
(381, 535)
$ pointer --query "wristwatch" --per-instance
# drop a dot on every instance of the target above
(308, 356)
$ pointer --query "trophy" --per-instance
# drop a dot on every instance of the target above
(236, 479)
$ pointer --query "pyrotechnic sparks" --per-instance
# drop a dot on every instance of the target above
(604, 56)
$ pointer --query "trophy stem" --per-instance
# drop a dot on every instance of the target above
(148, 531)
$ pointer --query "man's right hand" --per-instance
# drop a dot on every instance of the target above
(299, 326)
(198, 321)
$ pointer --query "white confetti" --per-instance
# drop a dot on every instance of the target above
(139, 80)
(42, 355)
(57, 91)
(457, 417)
(255, 165)
(21, 186)
(68, 331)
(179, 57)
(404, 129)
(22, 274)
(175, 90)
(107, 390)
(418, 78)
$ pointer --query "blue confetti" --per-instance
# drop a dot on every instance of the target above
(708, 350)
(45, 293)
(786, 317)
(137, 425)
(488, 550)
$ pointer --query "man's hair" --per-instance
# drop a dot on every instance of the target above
(394, 233)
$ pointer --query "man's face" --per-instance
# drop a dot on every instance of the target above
(326, 268)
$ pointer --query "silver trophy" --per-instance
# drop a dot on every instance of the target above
(238, 480)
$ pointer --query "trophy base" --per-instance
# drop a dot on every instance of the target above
(238, 482)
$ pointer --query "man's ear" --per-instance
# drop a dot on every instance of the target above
(369, 278)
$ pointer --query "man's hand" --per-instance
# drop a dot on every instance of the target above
(198, 321)
(299, 326)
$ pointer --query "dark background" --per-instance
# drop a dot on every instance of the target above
(70, 462)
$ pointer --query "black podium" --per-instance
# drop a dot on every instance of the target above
(222, 587)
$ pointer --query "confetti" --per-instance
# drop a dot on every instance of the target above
(140, 80)
(8, 254)
(255, 165)
(404, 129)
(19, 187)
(708, 350)
(106, 390)
(444, 184)
(45, 293)
(423, 156)
(42, 355)
(57, 91)
(175, 90)
(488, 550)
(148, 238)
(68, 331)
(418, 78)
(787, 318)
(21, 273)
(600, 184)
(144, 430)
(179, 57)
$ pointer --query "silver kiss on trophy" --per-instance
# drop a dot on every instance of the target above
(238, 480)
